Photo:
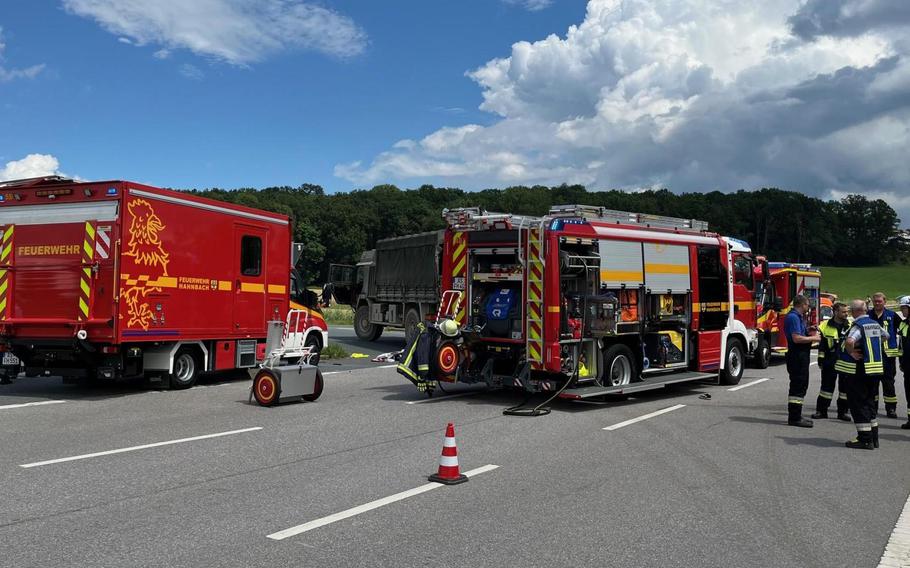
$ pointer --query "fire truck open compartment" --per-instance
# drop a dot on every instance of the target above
(587, 301)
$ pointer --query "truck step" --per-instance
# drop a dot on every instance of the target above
(649, 384)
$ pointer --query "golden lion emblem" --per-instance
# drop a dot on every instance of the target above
(145, 247)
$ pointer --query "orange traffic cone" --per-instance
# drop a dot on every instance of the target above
(448, 462)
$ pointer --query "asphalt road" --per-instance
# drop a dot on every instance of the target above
(717, 482)
(390, 340)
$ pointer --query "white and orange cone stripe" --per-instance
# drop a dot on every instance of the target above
(449, 473)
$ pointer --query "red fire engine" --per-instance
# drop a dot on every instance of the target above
(788, 279)
(114, 279)
(586, 301)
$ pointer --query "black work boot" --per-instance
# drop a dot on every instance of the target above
(875, 436)
(795, 416)
(844, 416)
(820, 414)
(906, 425)
(863, 441)
(891, 412)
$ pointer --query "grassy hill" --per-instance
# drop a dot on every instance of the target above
(850, 283)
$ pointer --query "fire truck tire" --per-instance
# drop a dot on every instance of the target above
(186, 368)
(762, 357)
(734, 364)
(317, 389)
(362, 326)
(618, 366)
(411, 319)
(315, 343)
(266, 389)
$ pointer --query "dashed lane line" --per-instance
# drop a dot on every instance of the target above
(747, 385)
(24, 404)
(645, 417)
(354, 511)
(897, 551)
(135, 448)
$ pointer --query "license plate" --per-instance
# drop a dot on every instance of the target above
(10, 359)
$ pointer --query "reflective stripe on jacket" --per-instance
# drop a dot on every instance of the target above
(870, 345)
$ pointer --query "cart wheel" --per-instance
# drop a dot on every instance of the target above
(265, 388)
(317, 388)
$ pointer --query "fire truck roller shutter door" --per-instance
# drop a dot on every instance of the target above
(621, 264)
(667, 268)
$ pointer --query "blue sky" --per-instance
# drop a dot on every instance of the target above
(108, 109)
(692, 95)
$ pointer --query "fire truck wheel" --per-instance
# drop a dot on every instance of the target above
(362, 326)
(618, 366)
(265, 388)
(734, 364)
(317, 388)
(186, 368)
(411, 319)
(314, 342)
(762, 354)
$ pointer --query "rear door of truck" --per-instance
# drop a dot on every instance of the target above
(57, 265)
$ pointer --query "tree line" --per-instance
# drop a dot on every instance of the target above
(783, 225)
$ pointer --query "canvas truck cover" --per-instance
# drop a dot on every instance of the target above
(408, 267)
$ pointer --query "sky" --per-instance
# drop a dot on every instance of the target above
(692, 95)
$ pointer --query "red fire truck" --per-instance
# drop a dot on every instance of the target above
(586, 302)
(114, 279)
(787, 279)
(753, 301)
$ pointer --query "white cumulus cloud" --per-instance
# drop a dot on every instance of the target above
(693, 95)
(239, 32)
(10, 74)
(531, 5)
(33, 165)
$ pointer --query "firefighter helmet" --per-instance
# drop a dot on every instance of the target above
(448, 327)
(903, 301)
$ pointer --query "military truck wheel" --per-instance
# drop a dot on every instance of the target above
(411, 319)
(186, 368)
(317, 388)
(362, 326)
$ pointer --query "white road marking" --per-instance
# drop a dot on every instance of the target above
(813, 363)
(897, 551)
(645, 417)
(142, 447)
(354, 511)
(755, 382)
(435, 398)
(24, 404)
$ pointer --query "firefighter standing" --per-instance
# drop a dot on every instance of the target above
(903, 330)
(832, 333)
(861, 367)
(799, 346)
(888, 320)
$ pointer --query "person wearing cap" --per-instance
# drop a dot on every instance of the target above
(861, 363)
(903, 331)
(799, 347)
(888, 320)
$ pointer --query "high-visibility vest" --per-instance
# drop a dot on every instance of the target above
(903, 331)
(888, 321)
(870, 344)
(831, 338)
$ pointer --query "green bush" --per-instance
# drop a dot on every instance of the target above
(338, 315)
(333, 351)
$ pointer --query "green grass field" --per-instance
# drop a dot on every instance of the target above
(850, 283)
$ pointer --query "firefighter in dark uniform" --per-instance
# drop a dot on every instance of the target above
(888, 320)
(832, 333)
(861, 366)
(799, 347)
(903, 331)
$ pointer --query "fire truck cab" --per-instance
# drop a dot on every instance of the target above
(787, 279)
(587, 301)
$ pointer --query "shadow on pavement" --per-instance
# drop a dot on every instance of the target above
(817, 442)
